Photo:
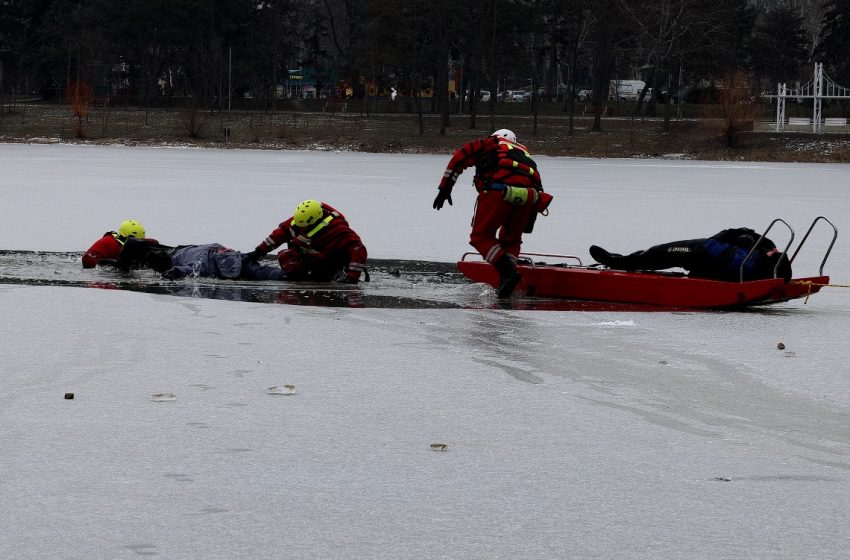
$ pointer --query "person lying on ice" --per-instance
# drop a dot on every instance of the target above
(718, 257)
(210, 260)
(107, 248)
(321, 245)
(510, 194)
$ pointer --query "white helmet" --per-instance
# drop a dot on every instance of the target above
(506, 134)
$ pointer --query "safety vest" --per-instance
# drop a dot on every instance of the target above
(509, 159)
(118, 237)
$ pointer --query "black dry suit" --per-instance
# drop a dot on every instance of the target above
(718, 257)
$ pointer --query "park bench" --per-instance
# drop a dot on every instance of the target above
(99, 102)
(835, 121)
(799, 121)
(335, 106)
(604, 111)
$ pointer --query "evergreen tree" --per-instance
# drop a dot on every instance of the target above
(834, 40)
(779, 48)
(716, 45)
(14, 22)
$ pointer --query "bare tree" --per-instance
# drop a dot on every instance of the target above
(667, 31)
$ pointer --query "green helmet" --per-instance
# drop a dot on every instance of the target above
(131, 228)
(307, 213)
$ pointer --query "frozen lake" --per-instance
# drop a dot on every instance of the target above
(569, 434)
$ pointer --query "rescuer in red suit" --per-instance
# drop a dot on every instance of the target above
(108, 247)
(321, 246)
(510, 193)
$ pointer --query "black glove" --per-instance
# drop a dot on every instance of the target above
(252, 256)
(344, 276)
(442, 196)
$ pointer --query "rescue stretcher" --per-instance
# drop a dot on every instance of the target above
(651, 288)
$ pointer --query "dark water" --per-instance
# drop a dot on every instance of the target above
(395, 284)
(400, 284)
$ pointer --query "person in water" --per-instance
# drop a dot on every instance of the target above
(210, 260)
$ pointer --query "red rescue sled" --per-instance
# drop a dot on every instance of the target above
(653, 289)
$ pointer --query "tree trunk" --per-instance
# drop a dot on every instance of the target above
(419, 112)
(494, 82)
(443, 83)
(605, 14)
(572, 85)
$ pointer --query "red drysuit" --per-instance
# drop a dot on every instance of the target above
(319, 251)
(107, 247)
(498, 163)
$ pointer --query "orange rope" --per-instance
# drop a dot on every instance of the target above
(809, 283)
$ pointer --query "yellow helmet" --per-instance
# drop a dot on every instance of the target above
(307, 213)
(131, 228)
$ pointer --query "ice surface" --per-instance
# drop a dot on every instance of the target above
(238, 197)
(570, 435)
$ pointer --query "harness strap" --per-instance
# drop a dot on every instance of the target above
(321, 225)
(518, 196)
(504, 187)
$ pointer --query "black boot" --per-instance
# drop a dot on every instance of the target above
(600, 255)
(611, 260)
(508, 276)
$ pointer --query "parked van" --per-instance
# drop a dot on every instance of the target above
(628, 90)
(519, 96)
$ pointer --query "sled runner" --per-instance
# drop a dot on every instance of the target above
(662, 289)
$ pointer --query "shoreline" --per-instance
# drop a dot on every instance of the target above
(399, 133)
